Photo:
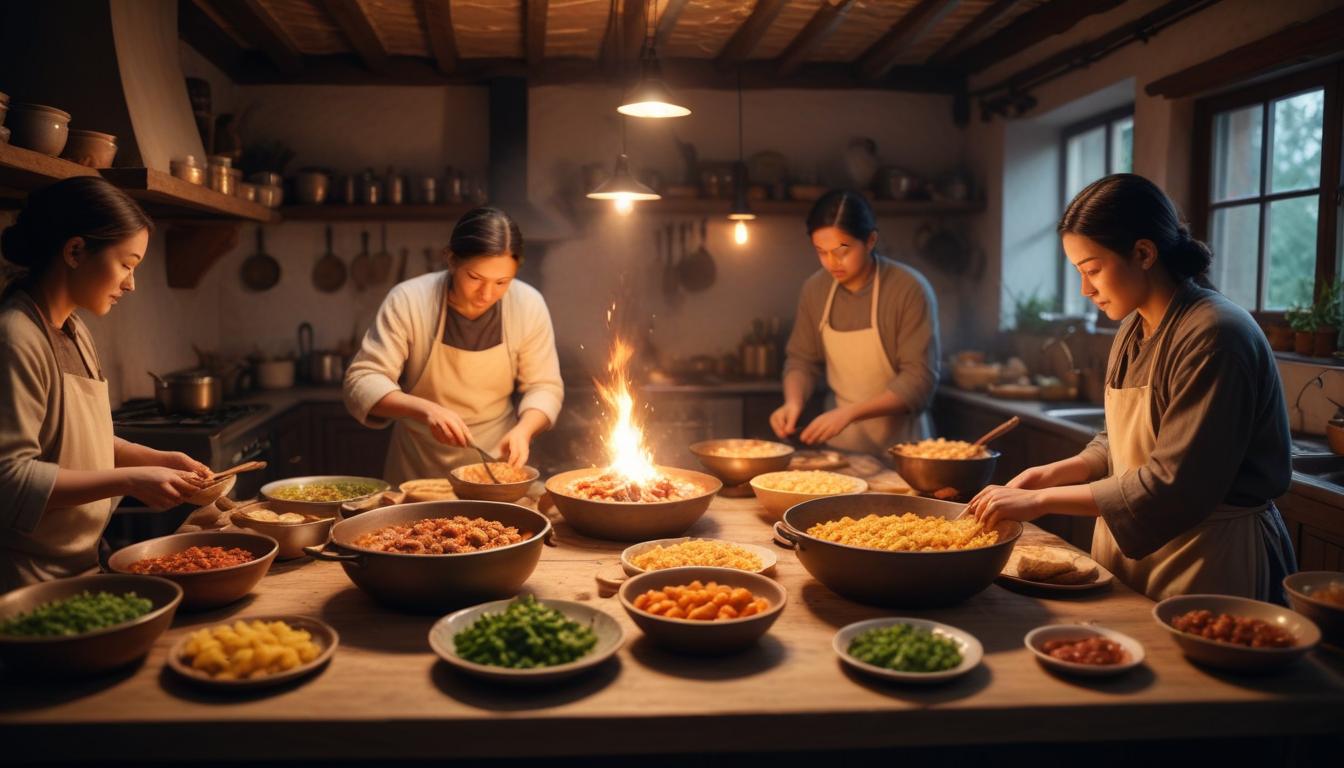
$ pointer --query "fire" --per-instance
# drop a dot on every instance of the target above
(628, 457)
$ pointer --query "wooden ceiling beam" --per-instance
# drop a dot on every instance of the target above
(534, 32)
(1029, 29)
(820, 27)
(739, 47)
(881, 56)
(258, 26)
(623, 38)
(197, 29)
(982, 20)
(437, 18)
(668, 21)
(358, 30)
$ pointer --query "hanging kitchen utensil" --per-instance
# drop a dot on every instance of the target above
(697, 270)
(382, 260)
(671, 287)
(999, 431)
(943, 248)
(401, 265)
(329, 272)
(361, 267)
(260, 272)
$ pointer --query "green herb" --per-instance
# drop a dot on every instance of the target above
(904, 648)
(527, 635)
(76, 615)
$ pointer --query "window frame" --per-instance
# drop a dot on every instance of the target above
(1108, 120)
(1330, 195)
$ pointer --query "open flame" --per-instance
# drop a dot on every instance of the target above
(628, 457)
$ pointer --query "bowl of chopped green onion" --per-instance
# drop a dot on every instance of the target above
(526, 639)
(907, 650)
(84, 625)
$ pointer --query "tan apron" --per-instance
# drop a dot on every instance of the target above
(857, 370)
(478, 385)
(65, 541)
(1227, 554)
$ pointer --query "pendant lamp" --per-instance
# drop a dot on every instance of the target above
(651, 97)
(622, 188)
(741, 211)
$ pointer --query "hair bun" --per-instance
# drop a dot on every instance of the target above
(16, 245)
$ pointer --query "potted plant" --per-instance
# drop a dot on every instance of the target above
(1031, 328)
(1303, 322)
(1280, 336)
(1327, 312)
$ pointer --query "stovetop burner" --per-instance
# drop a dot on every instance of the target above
(146, 413)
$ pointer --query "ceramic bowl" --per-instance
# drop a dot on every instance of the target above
(90, 148)
(1038, 637)
(703, 637)
(971, 650)
(1230, 655)
(39, 128)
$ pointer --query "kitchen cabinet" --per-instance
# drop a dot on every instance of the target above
(1317, 532)
(324, 439)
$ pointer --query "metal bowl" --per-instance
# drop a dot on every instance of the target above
(318, 508)
(205, 589)
(886, 578)
(1302, 587)
(465, 489)
(291, 538)
(1229, 655)
(436, 583)
(736, 470)
(703, 637)
(632, 520)
(965, 476)
(92, 652)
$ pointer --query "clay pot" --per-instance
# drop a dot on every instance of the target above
(90, 148)
(1325, 341)
(1280, 337)
(1304, 342)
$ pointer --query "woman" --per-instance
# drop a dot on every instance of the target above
(1196, 445)
(445, 351)
(872, 324)
(76, 245)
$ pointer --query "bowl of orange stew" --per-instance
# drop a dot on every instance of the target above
(703, 610)
(1236, 633)
(1319, 595)
(214, 568)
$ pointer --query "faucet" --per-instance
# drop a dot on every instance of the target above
(1070, 375)
(1319, 383)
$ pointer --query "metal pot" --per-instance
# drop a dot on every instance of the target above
(311, 187)
(188, 392)
(326, 367)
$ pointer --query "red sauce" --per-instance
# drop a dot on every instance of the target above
(192, 560)
(1093, 650)
(1238, 630)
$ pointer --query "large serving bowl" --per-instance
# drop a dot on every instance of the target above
(630, 520)
(466, 489)
(965, 476)
(1230, 655)
(318, 508)
(205, 589)
(1302, 589)
(703, 637)
(92, 652)
(291, 538)
(776, 501)
(436, 583)
(736, 470)
(885, 578)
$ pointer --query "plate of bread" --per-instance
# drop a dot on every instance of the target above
(1053, 567)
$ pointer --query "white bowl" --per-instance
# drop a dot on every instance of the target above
(971, 650)
(768, 557)
(1038, 637)
(777, 502)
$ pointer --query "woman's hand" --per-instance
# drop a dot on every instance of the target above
(997, 503)
(826, 426)
(784, 420)
(179, 460)
(444, 423)
(160, 487)
(515, 446)
(1032, 478)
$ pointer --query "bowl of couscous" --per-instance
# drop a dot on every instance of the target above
(896, 551)
(938, 464)
(777, 491)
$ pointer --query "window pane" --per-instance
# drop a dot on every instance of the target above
(1236, 153)
(1084, 160)
(1296, 163)
(1122, 145)
(1236, 236)
(1291, 248)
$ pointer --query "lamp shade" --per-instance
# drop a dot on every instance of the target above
(651, 98)
(622, 185)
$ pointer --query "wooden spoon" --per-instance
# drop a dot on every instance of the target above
(999, 431)
(247, 466)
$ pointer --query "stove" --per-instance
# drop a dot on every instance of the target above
(135, 414)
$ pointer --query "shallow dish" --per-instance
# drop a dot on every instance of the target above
(1301, 588)
(205, 589)
(610, 637)
(1036, 639)
(507, 492)
(428, 489)
(92, 652)
(632, 520)
(323, 635)
(768, 557)
(971, 650)
(703, 637)
(318, 508)
(1103, 579)
(1229, 655)
(291, 538)
(777, 502)
(736, 470)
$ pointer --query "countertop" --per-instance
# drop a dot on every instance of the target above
(385, 694)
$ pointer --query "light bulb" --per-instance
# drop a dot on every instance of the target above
(624, 205)
(740, 233)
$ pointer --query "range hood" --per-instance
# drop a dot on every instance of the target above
(508, 163)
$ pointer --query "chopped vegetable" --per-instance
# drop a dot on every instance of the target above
(527, 635)
(78, 614)
(904, 648)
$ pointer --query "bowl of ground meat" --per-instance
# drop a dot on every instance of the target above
(600, 504)
(436, 556)
(1235, 632)
(214, 568)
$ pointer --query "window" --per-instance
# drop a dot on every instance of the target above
(1266, 188)
(1091, 149)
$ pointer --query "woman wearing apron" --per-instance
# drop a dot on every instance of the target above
(1196, 445)
(75, 245)
(870, 326)
(448, 349)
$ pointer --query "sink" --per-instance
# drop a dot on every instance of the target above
(1092, 418)
(1326, 467)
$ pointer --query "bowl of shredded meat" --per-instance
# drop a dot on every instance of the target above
(1236, 633)
(605, 505)
(214, 568)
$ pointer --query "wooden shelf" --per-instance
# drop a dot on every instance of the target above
(22, 170)
(447, 212)
(676, 206)
(168, 197)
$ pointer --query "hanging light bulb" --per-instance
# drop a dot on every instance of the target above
(740, 232)
(623, 205)
(622, 186)
(741, 211)
(651, 97)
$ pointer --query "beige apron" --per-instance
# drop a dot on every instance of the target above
(65, 541)
(478, 385)
(1226, 554)
(857, 370)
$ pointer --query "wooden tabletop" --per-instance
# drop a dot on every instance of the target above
(385, 694)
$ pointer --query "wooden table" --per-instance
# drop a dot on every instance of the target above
(386, 695)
